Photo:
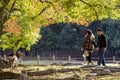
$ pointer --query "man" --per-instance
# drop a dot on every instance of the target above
(101, 47)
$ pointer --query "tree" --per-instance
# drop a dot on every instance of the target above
(61, 36)
(18, 30)
(29, 15)
(90, 10)
(18, 37)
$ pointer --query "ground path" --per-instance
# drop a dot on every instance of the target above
(64, 72)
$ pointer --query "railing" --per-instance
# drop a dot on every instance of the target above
(69, 59)
(66, 58)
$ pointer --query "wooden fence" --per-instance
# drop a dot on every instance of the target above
(61, 53)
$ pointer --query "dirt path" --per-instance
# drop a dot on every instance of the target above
(55, 72)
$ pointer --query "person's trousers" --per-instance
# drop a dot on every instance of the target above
(89, 57)
(101, 57)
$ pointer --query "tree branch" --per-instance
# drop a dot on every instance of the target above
(44, 8)
(16, 9)
(41, 1)
(91, 7)
(49, 3)
(5, 2)
(40, 12)
(7, 9)
(12, 7)
(103, 6)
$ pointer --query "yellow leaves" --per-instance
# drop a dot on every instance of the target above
(51, 20)
(82, 21)
(34, 34)
(11, 26)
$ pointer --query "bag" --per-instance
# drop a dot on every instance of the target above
(86, 45)
(86, 53)
(91, 46)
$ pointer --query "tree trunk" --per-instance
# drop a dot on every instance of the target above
(1, 19)
(4, 63)
(3, 15)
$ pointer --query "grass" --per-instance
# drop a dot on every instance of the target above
(114, 76)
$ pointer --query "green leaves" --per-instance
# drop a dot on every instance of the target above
(92, 9)
(31, 14)
(21, 19)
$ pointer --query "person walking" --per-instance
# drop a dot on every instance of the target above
(88, 46)
(101, 47)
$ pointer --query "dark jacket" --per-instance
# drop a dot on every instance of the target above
(102, 42)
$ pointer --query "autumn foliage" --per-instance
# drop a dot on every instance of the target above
(12, 27)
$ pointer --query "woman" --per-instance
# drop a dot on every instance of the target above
(88, 46)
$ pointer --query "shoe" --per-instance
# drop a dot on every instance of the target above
(98, 65)
(104, 65)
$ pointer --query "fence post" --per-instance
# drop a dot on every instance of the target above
(5, 58)
(53, 58)
(38, 59)
(23, 75)
(37, 69)
(69, 59)
(113, 58)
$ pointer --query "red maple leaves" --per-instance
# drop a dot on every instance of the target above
(11, 26)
